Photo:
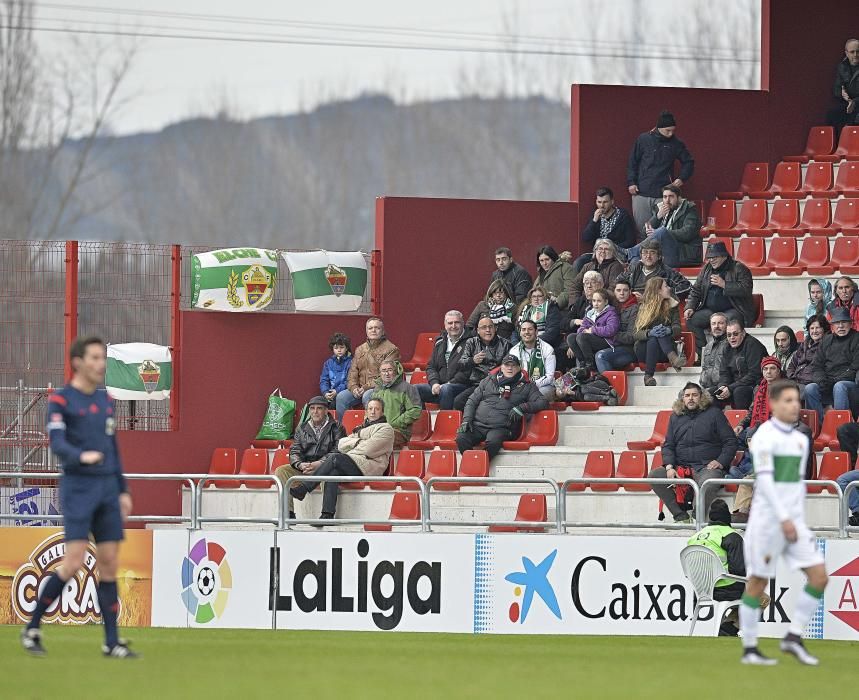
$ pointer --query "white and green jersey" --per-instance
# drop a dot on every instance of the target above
(782, 451)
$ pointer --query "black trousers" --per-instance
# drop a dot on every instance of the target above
(585, 346)
(334, 464)
(741, 397)
(462, 398)
(493, 437)
(848, 440)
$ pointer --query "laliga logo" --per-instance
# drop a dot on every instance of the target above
(206, 581)
(78, 603)
(848, 608)
(535, 579)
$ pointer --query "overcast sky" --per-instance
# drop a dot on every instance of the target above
(175, 78)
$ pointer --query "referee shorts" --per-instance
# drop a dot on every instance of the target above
(90, 504)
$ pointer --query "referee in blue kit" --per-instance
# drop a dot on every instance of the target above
(94, 497)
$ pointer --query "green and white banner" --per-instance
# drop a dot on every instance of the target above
(233, 279)
(139, 371)
(326, 281)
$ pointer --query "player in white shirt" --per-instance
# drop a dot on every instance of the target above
(777, 525)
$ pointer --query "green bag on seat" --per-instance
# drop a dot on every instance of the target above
(277, 424)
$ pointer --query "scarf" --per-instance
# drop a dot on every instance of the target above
(537, 314)
(367, 423)
(760, 406)
(607, 224)
(318, 431)
(533, 363)
(506, 384)
(501, 312)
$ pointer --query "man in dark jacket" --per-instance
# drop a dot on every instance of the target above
(514, 275)
(609, 221)
(444, 363)
(651, 264)
(713, 353)
(676, 224)
(741, 366)
(480, 355)
(835, 366)
(725, 285)
(845, 89)
(699, 436)
(495, 409)
(314, 438)
(651, 166)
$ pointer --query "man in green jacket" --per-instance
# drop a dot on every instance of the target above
(676, 224)
(402, 401)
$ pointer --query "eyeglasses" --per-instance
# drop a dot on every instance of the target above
(735, 334)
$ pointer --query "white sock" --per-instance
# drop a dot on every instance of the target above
(750, 611)
(805, 608)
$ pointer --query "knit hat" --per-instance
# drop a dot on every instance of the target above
(839, 314)
(665, 119)
(719, 512)
(770, 360)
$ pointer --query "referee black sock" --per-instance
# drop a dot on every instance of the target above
(109, 603)
(51, 591)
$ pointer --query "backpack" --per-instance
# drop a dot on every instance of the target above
(578, 385)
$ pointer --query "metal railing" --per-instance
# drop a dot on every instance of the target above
(203, 479)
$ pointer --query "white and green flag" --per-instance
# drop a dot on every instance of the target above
(139, 371)
(233, 279)
(326, 281)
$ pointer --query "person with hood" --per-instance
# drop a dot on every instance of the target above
(651, 166)
(819, 297)
(835, 366)
(536, 357)
(845, 298)
(799, 370)
(700, 437)
(335, 370)
(713, 352)
(651, 264)
(495, 409)
(444, 362)
(609, 222)
(725, 285)
(401, 399)
(784, 346)
(499, 306)
(622, 352)
(481, 354)
(555, 275)
(676, 224)
(657, 329)
(540, 309)
(604, 261)
(845, 89)
(366, 452)
(316, 436)
(364, 370)
(515, 276)
(598, 330)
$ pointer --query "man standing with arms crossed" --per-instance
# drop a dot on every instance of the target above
(777, 525)
(94, 496)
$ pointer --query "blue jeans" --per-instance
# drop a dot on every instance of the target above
(840, 397)
(670, 248)
(445, 396)
(741, 470)
(853, 497)
(616, 358)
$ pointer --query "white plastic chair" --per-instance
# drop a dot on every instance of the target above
(701, 565)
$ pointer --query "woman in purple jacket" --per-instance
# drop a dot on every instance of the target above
(599, 327)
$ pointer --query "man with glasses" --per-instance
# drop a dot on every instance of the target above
(401, 400)
(835, 366)
(480, 356)
(741, 367)
(651, 264)
(605, 262)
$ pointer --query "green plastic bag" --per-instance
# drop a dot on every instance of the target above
(277, 424)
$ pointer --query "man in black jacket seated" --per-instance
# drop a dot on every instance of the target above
(741, 366)
(651, 264)
(609, 221)
(514, 275)
(699, 436)
(480, 355)
(834, 366)
(444, 363)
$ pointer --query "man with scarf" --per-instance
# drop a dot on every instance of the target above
(495, 409)
(481, 354)
(536, 357)
(366, 452)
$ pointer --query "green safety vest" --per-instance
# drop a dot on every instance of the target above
(711, 537)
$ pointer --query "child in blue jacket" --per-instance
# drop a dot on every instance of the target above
(336, 368)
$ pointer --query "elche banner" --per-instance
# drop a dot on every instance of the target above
(233, 279)
(139, 371)
(327, 281)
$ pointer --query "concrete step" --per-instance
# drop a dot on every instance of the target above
(607, 438)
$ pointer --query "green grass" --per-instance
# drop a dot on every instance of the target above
(240, 665)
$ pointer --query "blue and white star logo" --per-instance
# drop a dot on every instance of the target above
(535, 579)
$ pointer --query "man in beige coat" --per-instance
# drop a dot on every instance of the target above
(364, 372)
(366, 452)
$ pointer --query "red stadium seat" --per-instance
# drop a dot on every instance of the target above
(809, 417)
(760, 315)
(787, 179)
(814, 257)
(255, 463)
(816, 218)
(409, 463)
(819, 179)
(753, 215)
(442, 463)
(266, 444)
(405, 506)
(532, 508)
(751, 252)
(421, 428)
(352, 419)
(657, 437)
(422, 353)
(633, 465)
(474, 464)
(847, 182)
(846, 217)
(833, 465)
(821, 142)
(723, 212)
(755, 177)
(735, 416)
(443, 434)
(828, 437)
(224, 460)
(419, 376)
(278, 459)
(784, 219)
(599, 464)
(541, 429)
(845, 255)
(618, 381)
(848, 146)
(386, 485)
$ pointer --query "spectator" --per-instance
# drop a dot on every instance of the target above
(622, 353)
(481, 354)
(785, 345)
(724, 285)
(597, 330)
(366, 452)
(536, 357)
(365, 367)
(819, 297)
(609, 222)
(699, 436)
(834, 367)
(555, 276)
(714, 352)
(848, 441)
(845, 298)
(604, 260)
(495, 409)
(651, 263)
(676, 224)
(444, 363)
(540, 309)
(741, 366)
(515, 276)
(335, 370)
(401, 399)
(800, 368)
(651, 167)
(657, 327)
(497, 305)
(314, 438)
(845, 90)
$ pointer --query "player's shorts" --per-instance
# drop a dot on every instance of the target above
(764, 543)
(90, 504)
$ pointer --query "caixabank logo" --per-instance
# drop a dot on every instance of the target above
(845, 581)
(206, 581)
(532, 580)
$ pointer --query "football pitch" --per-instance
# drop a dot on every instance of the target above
(244, 664)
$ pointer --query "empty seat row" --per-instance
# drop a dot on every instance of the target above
(786, 258)
(755, 218)
(441, 463)
(820, 145)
